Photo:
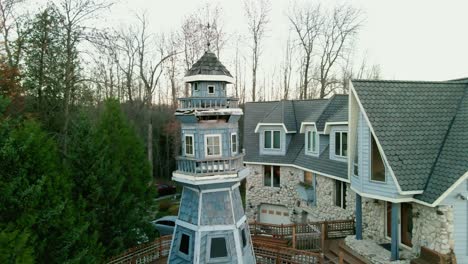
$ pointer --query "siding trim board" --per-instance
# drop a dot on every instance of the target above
(298, 167)
(384, 157)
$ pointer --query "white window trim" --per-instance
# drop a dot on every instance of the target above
(317, 144)
(193, 145)
(214, 88)
(208, 250)
(272, 139)
(271, 176)
(237, 144)
(340, 132)
(343, 199)
(220, 145)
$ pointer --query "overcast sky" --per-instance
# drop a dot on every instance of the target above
(409, 39)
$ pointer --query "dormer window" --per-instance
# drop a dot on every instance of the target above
(311, 141)
(272, 139)
(211, 89)
(341, 144)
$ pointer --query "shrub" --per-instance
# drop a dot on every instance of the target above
(164, 205)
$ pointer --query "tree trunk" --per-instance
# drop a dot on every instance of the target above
(150, 135)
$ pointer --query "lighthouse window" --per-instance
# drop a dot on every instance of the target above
(234, 143)
(184, 244)
(195, 86)
(213, 145)
(189, 145)
(211, 89)
(218, 248)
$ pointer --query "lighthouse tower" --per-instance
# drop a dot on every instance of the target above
(211, 226)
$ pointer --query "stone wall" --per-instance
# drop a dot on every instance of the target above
(257, 194)
(373, 219)
(288, 196)
(433, 228)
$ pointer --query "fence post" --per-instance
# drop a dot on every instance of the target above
(294, 236)
(340, 257)
(255, 227)
(324, 235)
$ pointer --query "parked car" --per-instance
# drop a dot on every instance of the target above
(165, 225)
(165, 189)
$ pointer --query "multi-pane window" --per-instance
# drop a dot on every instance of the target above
(233, 143)
(218, 248)
(340, 194)
(211, 89)
(377, 165)
(271, 176)
(311, 141)
(341, 144)
(189, 145)
(213, 145)
(272, 139)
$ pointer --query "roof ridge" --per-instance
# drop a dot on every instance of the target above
(294, 113)
(431, 173)
(408, 81)
(270, 112)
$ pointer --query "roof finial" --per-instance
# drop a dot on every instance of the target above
(208, 37)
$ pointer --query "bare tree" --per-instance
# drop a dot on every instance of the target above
(11, 31)
(337, 35)
(75, 13)
(286, 68)
(150, 64)
(256, 13)
(307, 22)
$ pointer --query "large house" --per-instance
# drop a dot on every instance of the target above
(408, 164)
(297, 152)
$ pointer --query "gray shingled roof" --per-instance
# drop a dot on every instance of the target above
(208, 64)
(420, 126)
(293, 112)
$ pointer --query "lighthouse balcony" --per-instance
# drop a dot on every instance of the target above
(209, 167)
(208, 102)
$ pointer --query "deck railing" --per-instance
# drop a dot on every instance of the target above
(268, 254)
(208, 102)
(145, 253)
(208, 167)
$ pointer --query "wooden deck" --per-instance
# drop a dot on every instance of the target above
(288, 244)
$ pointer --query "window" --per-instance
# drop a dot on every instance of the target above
(244, 238)
(233, 143)
(341, 144)
(184, 245)
(195, 86)
(218, 248)
(311, 141)
(213, 145)
(308, 178)
(356, 157)
(340, 194)
(271, 176)
(211, 89)
(272, 139)
(189, 145)
(377, 165)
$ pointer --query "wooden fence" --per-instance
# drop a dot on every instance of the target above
(145, 253)
(270, 254)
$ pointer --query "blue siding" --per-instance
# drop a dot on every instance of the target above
(220, 89)
(363, 182)
(284, 141)
(460, 221)
(176, 256)
(237, 203)
(199, 132)
(216, 209)
(188, 211)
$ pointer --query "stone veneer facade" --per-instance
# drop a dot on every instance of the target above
(432, 227)
(288, 196)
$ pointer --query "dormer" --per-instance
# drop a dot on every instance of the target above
(311, 138)
(338, 133)
(273, 138)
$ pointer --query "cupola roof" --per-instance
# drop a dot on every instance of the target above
(208, 68)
